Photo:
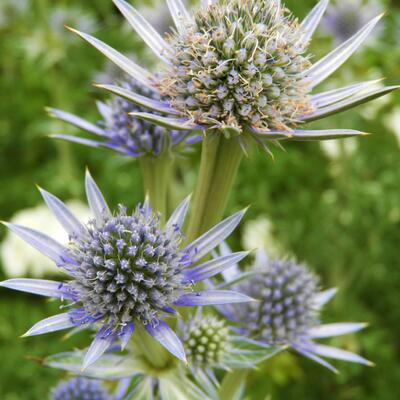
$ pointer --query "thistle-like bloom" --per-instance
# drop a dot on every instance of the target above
(125, 269)
(80, 388)
(344, 19)
(241, 67)
(120, 131)
(288, 310)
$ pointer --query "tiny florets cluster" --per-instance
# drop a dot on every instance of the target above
(138, 136)
(207, 340)
(285, 310)
(129, 269)
(80, 389)
(240, 65)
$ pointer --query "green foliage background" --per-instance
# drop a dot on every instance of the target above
(341, 216)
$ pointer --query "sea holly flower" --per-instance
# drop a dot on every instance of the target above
(126, 270)
(344, 19)
(211, 343)
(241, 67)
(120, 131)
(136, 379)
(80, 388)
(287, 313)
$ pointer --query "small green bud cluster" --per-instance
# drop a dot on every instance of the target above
(206, 341)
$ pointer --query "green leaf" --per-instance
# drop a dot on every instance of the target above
(352, 102)
(109, 366)
(247, 353)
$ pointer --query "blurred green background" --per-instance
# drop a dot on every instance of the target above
(336, 207)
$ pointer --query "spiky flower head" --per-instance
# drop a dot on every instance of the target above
(126, 269)
(240, 64)
(286, 308)
(206, 341)
(242, 68)
(122, 132)
(80, 389)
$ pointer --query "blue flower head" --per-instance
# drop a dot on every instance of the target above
(288, 309)
(126, 269)
(80, 389)
(120, 131)
(241, 68)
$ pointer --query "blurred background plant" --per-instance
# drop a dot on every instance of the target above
(335, 207)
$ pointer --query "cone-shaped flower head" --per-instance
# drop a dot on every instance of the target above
(240, 64)
(241, 67)
(288, 309)
(80, 389)
(206, 341)
(126, 269)
(119, 130)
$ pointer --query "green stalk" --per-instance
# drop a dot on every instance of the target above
(156, 172)
(220, 160)
(155, 355)
(232, 384)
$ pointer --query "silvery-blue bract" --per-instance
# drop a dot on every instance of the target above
(288, 309)
(124, 270)
(241, 67)
(120, 131)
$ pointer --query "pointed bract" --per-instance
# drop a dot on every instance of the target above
(330, 63)
(212, 238)
(150, 36)
(100, 344)
(214, 267)
(127, 65)
(75, 120)
(64, 216)
(41, 287)
(212, 297)
(96, 200)
(55, 323)
(46, 245)
(167, 338)
(311, 21)
(336, 329)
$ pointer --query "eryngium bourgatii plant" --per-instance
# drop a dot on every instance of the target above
(242, 67)
(126, 270)
(120, 131)
(288, 309)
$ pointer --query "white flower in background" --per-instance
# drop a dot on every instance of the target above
(19, 258)
(392, 122)
(334, 149)
(258, 233)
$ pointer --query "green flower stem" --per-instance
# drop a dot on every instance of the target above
(156, 356)
(233, 384)
(220, 160)
(156, 172)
